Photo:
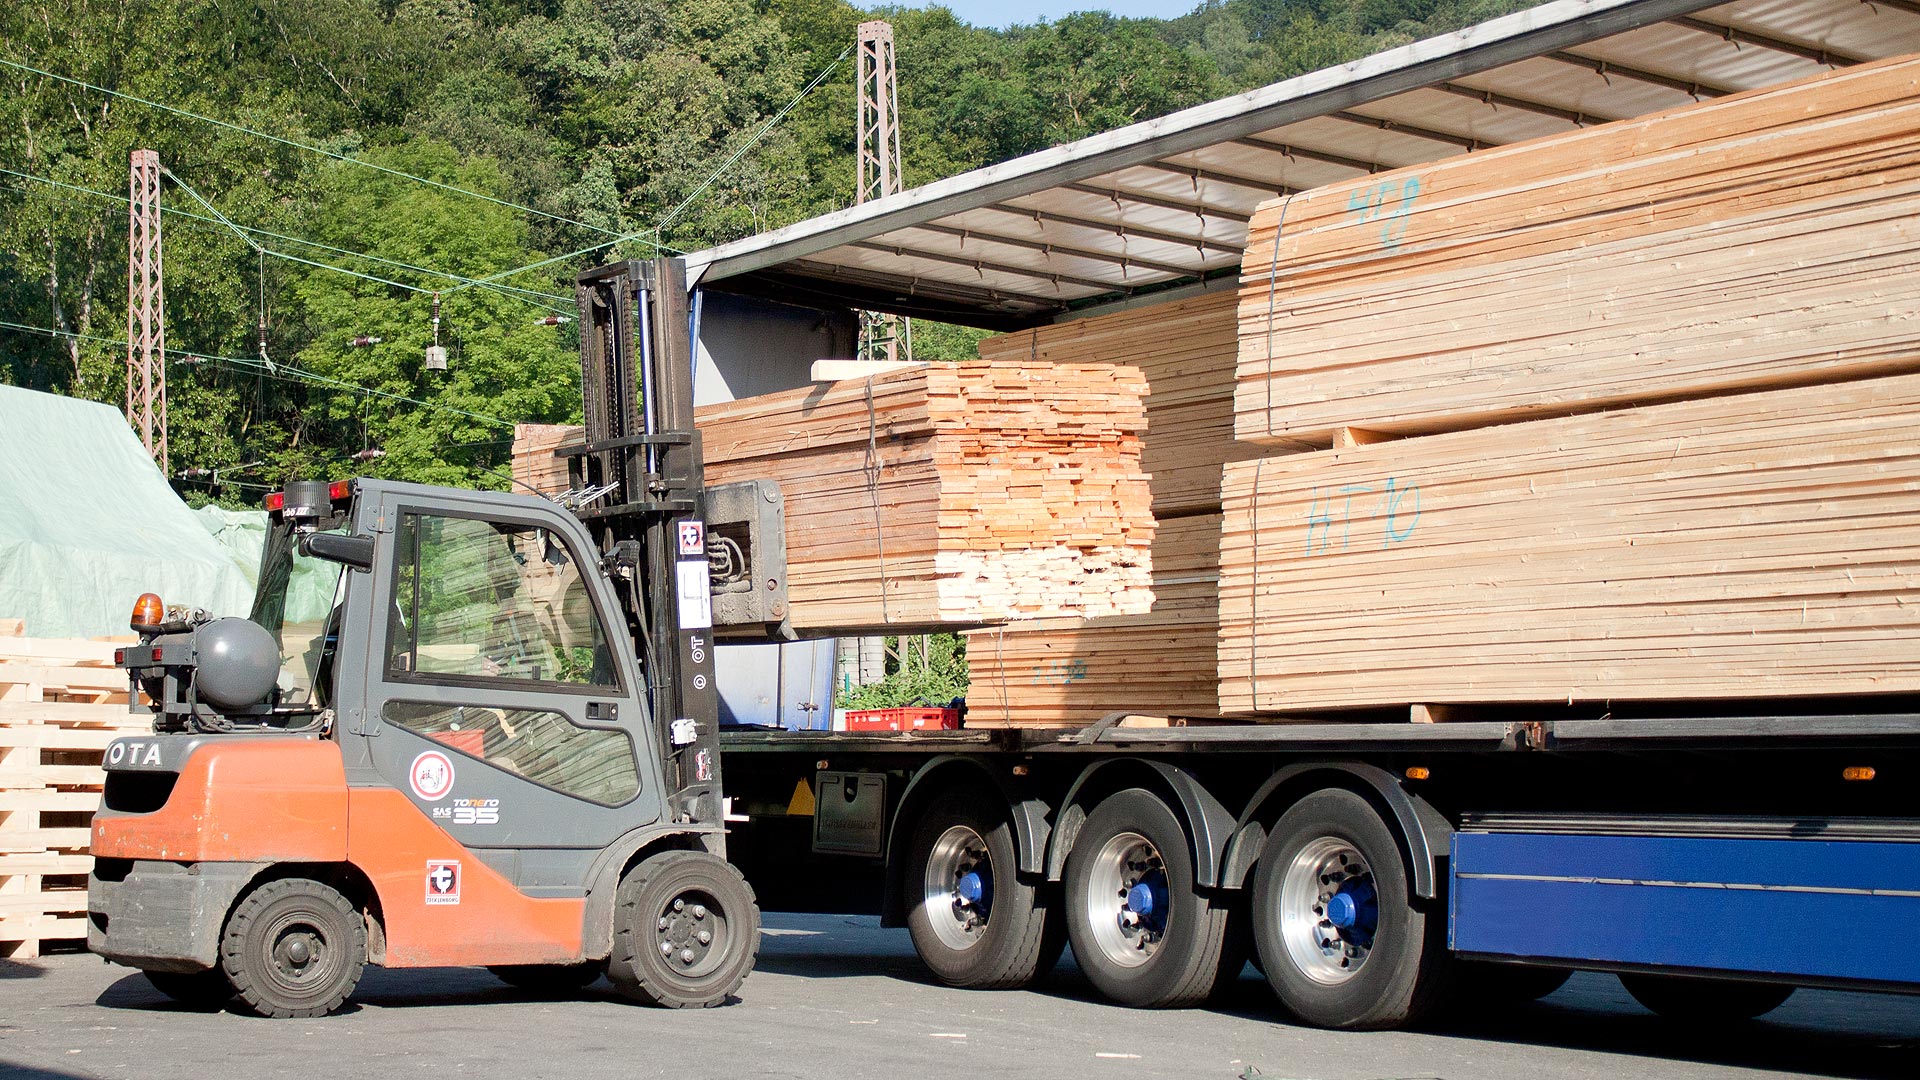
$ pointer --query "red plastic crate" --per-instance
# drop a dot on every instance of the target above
(902, 719)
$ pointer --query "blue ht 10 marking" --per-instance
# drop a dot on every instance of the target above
(1388, 202)
(1395, 505)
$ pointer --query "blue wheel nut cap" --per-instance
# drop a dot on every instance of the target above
(1341, 910)
(970, 887)
(1140, 899)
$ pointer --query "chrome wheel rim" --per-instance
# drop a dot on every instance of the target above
(957, 889)
(1127, 900)
(1329, 911)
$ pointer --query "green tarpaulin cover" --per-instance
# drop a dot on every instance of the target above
(88, 523)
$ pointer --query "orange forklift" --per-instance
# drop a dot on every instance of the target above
(492, 742)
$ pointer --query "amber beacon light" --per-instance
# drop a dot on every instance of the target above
(148, 614)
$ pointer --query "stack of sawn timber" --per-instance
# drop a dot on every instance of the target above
(1069, 672)
(1663, 443)
(944, 495)
(61, 703)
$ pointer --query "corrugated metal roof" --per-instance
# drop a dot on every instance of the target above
(1158, 205)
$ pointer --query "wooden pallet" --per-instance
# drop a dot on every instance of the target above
(61, 703)
(1759, 240)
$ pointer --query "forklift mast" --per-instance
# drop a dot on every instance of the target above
(638, 483)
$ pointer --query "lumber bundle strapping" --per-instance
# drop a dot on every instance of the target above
(946, 494)
(1733, 547)
(61, 703)
(1070, 672)
(1758, 240)
(1186, 350)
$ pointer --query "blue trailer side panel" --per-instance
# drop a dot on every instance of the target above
(1776, 907)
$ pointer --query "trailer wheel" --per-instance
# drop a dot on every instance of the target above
(1341, 941)
(976, 924)
(1710, 1001)
(550, 980)
(293, 949)
(207, 989)
(1141, 930)
(686, 931)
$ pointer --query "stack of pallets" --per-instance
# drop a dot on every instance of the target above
(61, 703)
(1618, 415)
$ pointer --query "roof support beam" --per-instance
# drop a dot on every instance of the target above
(1747, 37)
(1288, 150)
(1464, 142)
(1607, 69)
(1265, 187)
(1497, 100)
(826, 285)
(1200, 210)
(1119, 229)
(1122, 261)
(982, 266)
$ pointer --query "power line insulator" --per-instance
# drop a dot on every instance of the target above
(366, 341)
(552, 320)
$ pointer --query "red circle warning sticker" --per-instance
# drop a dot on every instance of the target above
(431, 775)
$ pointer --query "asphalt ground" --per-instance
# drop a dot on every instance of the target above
(839, 997)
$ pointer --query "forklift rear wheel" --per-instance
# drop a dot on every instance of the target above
(976, 925)
(294, 948)
(686, 931)
(555, 980)
(207, 989)
(1142, 930)
(1710, 1001)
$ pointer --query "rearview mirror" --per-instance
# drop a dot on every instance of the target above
(355, 551)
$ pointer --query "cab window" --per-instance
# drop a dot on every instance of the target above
(477, 599)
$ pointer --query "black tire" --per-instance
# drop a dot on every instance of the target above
(673, 898)
(1365, 981)
(1009, 935)
(293, 948)
(550, 980)
(207, 989)
(1479, 982)
(1711, 1001)
(1181, 952)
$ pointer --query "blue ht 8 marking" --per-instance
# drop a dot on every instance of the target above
(1760, 906)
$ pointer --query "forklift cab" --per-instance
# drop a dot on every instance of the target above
(490, 691)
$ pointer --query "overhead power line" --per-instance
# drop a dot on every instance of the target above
(296, 144)
(283, 372)
(659, 228)
(512, 292)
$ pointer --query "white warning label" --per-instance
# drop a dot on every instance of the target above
(696, 598)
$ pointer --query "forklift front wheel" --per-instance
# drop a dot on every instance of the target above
(294, 948)
(686, 931)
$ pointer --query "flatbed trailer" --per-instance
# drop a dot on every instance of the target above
(1707, 857)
